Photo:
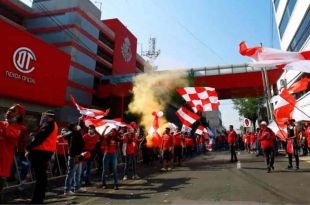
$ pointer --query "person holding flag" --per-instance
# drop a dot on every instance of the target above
(266, 137)
(178, 144)
(167, 149)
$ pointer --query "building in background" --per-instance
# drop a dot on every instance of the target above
(72, 52)
(293, 22)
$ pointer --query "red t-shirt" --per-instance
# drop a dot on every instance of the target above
(188, 142)
(248, 138)
(177, 139)
(266, 138)
(252, 138)
(308, 136)
(167, 141)
(130, 141)
(90, 141)
(232, 137)
(111, 145)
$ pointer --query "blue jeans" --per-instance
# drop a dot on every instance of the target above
(130, 160)
(73, 175)
(86, 170)
(109, 160)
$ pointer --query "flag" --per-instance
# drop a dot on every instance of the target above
(186, 129)
(284, 105)
(200, 98)
(154, 138)
(247, 122)
(104, 126)
(90, 112)
(186, 116)
(299, 86)
(279, 130)
(264, 56)
(302, 66)
(202, 131)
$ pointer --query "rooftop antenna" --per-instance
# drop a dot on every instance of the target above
(151, 53)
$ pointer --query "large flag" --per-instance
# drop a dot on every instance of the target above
(90, 112)
(104, 126)
(200, 99)
(186, 116)
(263, 56)
(302, 66)
(202, 131)
(299, 86)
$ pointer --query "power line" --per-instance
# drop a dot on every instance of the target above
(189, 31)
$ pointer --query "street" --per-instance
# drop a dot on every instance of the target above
(206, 179)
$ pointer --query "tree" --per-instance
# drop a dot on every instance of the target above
(248, 107)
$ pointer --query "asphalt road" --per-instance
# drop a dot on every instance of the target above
(205, 179)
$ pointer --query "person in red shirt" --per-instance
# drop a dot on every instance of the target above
(189, 145)
(178, 144)
(110, 157)
(11, 130)
(252, 141)
(129, 151)
(91, 139)
(308, 136)
(167, 148)
(61, 151)
(232, 141)
(266, 138)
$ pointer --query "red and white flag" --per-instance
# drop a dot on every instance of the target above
(284, 105)
(279, 130)
(154, 131)
(299, 86)
(247, 122)
(186, 116)
(90, 112)
(202, 131)
(302, 66)
(200, 99)
(104, 126)
(263, 56)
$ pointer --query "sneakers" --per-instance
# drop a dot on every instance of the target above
(116, 187)
(289, 166)
(169, 169)
(272, 167)
(163, 169)
(102, 186)
(69, 193)
(82, 189)
(268, 170)
(125, 178)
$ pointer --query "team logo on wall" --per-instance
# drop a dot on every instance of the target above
(126, 50)
(22, 59)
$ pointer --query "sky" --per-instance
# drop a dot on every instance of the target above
(196, 33)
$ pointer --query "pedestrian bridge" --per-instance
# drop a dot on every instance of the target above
(230, 81)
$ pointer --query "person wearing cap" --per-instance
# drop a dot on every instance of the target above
(76, 145)
(232, 142)
(11, 131)
(266, 138)
(166, 148)
(292, 144)
(41, 149)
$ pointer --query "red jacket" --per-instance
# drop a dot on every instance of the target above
(9, 136)
(232, 137)
(266, 138)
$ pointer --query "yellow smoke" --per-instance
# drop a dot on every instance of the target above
(151, 93)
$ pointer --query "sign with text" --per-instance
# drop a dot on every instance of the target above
(31, 69)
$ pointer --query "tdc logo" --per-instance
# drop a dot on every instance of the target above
(23, 58)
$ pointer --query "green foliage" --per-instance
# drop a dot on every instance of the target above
(248, 107)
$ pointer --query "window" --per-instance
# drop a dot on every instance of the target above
(286, 15)
(301, 34)
(276, 4)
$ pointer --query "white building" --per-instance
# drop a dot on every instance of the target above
(293, 23)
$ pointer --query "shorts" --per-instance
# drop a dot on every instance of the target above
(167, 155)
(178, 151)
